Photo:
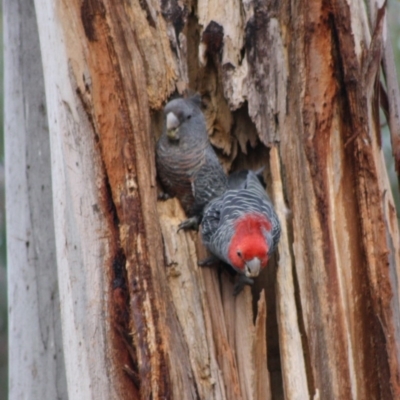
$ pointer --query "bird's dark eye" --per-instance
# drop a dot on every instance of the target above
(189, 116)
(239, 253)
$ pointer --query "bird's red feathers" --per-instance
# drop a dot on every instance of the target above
(249, 240)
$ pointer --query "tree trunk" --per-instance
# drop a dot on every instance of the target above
(36, 353)
(106, 299)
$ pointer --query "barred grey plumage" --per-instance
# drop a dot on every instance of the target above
(237, 179)
(186, 162)
(241, 228)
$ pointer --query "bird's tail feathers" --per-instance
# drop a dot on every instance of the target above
(253, 181)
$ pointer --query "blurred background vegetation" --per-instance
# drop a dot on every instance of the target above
(394, 25)
(394, 31)
(3, 263)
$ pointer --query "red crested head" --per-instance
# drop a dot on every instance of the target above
(248, 249)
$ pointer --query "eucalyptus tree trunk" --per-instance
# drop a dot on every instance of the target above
(106, 300)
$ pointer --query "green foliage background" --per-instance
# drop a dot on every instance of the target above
(394, 25)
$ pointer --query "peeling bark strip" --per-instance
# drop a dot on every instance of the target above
(36, 364)
(91, 9)
(267, 71)
(122, 177)
(318, 115)
(286, 85)
(370, 196)
(292, 354)
(328, 236)
(148, 313)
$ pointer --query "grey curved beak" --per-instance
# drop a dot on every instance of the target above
(172, 126)
(253, 267)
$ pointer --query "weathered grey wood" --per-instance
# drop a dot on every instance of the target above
(36, 353)
(292, 353)
(188, 293)
(337, 187)
(83, 235)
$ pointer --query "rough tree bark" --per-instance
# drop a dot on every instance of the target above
(106, 299)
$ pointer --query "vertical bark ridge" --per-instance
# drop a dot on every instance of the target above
(370, 197)
(114, 88)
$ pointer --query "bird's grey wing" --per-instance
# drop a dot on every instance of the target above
(211, 220)
(174, 177)
(209, 182)
(237, 179)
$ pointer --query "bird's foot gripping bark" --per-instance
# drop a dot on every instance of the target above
(240, 284)
(163, 196)
(190, 223)
(208, 261)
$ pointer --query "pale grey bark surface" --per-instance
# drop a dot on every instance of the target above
(82, 233)
(44, 176)
(36, 360)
